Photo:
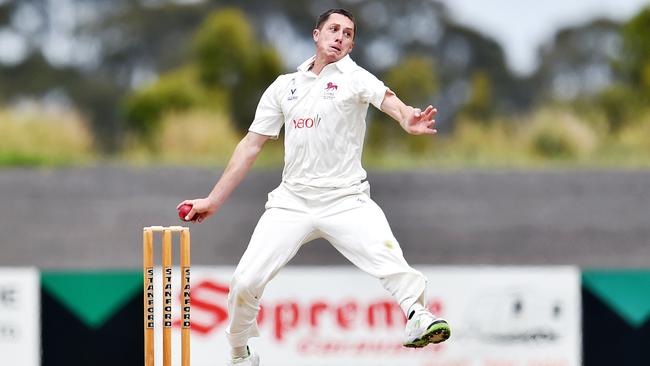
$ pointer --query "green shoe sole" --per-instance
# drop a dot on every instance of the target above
(437, 332)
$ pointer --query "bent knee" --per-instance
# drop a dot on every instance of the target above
(246, 285)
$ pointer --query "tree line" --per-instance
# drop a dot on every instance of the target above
(152, 58)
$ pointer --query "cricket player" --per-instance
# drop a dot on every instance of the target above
(324, 192)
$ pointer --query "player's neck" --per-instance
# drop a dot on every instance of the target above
(319, 64)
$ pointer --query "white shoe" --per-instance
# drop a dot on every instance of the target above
(251, 360)
(424, 328)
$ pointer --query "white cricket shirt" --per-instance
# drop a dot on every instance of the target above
(324, 121)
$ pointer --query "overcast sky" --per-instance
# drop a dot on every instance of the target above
(522, 26)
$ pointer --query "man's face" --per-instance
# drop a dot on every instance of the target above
(335, 39)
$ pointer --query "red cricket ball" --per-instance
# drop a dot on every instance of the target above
(184, 210)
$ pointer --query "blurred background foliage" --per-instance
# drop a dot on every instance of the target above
(146, 81)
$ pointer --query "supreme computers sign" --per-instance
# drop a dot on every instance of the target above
(317, 316)
(19, 317)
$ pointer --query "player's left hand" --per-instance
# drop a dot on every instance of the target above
(421, 122)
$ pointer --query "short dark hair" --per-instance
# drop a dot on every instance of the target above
(323, 18)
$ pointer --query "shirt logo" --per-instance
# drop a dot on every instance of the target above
(293, 95)
(309, 122)
(330, 90)
(331, 86)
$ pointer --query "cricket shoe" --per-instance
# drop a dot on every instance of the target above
(423, 328)
(251, 360)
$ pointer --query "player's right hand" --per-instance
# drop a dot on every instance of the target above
(202, 208)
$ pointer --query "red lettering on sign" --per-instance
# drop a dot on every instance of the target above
(387, 308)
(210, 314)
(286, 318)
(345, 314)
(202, 303)
(316, 309)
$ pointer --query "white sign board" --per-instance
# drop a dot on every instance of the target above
(19, 317)
(318, 316)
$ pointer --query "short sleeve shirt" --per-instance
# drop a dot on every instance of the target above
(324, 121)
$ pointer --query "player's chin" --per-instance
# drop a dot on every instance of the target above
(335, 56)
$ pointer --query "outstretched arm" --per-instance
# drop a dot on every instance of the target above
(412, 120)
(240, 163)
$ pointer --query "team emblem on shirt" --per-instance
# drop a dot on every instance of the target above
(292, 95)
(292, 90)
(330, 90)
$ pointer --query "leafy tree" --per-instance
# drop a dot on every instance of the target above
(479, 106)
(222, 45)
(619, 104)
(577, 62)
(229, 57)
(622, 102)
(257, 74)
(173, 91)
(635, 60)
(229, 70)
(415, 82)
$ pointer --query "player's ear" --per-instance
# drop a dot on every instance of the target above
(315, 34)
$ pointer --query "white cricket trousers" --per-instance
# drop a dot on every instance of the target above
(346, 217)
